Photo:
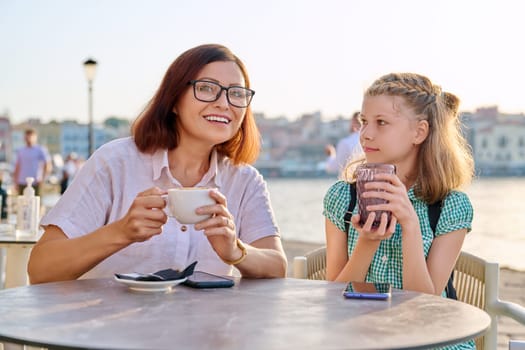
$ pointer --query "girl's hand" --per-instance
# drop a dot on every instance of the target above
(220, 228)
(368, 232)
(394, 191)
(144, 218)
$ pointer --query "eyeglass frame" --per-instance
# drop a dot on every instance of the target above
(222, 88)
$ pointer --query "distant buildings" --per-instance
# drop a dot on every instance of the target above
(497, 140)
(294, 148)
(60, 138)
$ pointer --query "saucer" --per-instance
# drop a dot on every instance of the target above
(149, 286)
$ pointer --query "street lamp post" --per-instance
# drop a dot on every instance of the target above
(90, 66)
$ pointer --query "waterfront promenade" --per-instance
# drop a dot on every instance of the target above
(512, 288)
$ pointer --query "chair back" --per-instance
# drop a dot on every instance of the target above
(312, 266)
(316, 266)
(469, 281)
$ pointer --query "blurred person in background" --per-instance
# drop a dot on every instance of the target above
(68, 171)
(32, 160)
(346, 148)
(3, 198)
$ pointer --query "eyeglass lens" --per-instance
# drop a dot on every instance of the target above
(208, 91)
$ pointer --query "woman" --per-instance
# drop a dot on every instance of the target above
(198, 130)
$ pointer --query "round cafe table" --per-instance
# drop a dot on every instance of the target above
(254, 314)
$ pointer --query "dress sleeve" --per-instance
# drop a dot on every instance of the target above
(336, 201)
(456, 214)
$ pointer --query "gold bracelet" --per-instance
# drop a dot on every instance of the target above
(243, 256)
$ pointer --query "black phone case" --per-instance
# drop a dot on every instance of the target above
(210, 281)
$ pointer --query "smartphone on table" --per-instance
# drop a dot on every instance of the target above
(368, 290)
(201, 279)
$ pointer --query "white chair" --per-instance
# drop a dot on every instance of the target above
(312, 266)
(476, 282)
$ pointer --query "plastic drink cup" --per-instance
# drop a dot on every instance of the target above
(366, 173)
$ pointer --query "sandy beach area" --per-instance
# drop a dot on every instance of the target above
(511, 288)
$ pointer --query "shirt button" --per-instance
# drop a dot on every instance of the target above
(183, 228)
(384, 258)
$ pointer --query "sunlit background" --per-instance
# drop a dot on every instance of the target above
(309, 61)
(303, 56)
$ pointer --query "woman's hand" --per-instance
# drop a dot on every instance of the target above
(144, 218)
(220, 228)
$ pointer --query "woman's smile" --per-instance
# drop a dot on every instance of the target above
(216, 118)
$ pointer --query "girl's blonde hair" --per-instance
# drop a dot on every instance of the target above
(445, 159)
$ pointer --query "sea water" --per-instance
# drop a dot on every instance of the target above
(498, 229)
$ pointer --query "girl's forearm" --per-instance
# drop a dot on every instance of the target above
(359, 262)
(415, 272)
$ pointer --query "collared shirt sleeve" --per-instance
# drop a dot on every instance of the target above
(456, 214)
(86, 204)
(102, 191)
(336, 201)
(249, 203)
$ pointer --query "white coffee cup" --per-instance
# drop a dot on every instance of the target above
(182, 202)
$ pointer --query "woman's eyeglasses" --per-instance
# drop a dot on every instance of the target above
(209, 91)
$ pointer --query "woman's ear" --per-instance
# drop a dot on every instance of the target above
(422, 129)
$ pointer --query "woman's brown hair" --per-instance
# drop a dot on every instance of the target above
(156, 128)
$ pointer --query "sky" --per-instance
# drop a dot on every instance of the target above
(302, 56)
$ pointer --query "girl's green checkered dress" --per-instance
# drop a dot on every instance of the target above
(387, 264)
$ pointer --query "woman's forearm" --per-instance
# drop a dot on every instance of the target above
(263, 263)
(265, 258)
(56, 257)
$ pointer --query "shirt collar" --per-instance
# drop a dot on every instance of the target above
(212, 176)
(159, 161)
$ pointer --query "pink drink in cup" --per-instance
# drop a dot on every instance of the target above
(366, 173)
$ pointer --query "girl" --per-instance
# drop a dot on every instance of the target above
(411, 123)
(198, 130)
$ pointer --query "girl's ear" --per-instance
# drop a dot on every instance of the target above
(421, 132)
